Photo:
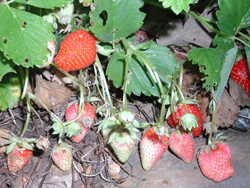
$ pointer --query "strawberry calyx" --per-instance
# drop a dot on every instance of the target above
(73, 129)
(188, 121)
(59, 146)
(23, 143)
(122, 123)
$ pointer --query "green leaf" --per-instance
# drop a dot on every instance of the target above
(24, 36)
(177, 5)
(6, 66)
(44, 3)
(210, 63)
(233, 15)
(225, 72)
(223, 44)
(113, 20)
(140, 79)
(10, 91)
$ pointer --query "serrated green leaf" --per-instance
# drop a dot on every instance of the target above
(10, 91)
(44, 3)
(140, 79)
(177, 6)
(223, 44)
(225, 72)
(210, 63)
(113, 20)
(24, 36)
(233, 15)
(6, 66)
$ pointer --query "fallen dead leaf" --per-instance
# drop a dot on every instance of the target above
(51, 94)
(226, 110)
(4, 132)
(238, 94)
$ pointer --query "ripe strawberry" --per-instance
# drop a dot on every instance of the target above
(62, 156)
(18, 158)
(182, 144)
(240, 74)
(180, 111)
(122, 145)
(86, 118)
(152, 147)
(216, 161)
(77, 51)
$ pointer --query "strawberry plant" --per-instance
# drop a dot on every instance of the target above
(95, 44)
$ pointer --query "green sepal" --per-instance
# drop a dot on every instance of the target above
(188, 121)
(73, 129)
(11, 147)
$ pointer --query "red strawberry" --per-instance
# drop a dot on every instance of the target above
(62, 156)
(216, 164)
(182, 144)
(86, 118)
(18, 158)
(240, 74)
(180, 111)
(152, 147)
(77, 51)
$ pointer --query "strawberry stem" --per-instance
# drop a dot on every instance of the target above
(213, 122)
(200, 19)
(27, 118)
(104, 84)
(81, 106)
(126, 80)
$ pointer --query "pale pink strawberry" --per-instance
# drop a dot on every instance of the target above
(62, 156)
(215, 161)
(182, 144)
(152, 147)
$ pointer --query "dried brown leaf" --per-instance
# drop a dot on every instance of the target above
(238, 94)
(3, 132)
(226, 110)
(51, 94)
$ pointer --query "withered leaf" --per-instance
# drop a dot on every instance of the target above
(226, 110)
(51, 94)
(238, 94)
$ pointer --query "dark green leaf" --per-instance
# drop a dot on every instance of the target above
(10, 91)
(140, 79)
(6, 66)
(44, 3)
(210, 63)
(233, 15)
(113, 20)
(24, 37)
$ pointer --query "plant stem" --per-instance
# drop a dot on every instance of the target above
(200, 19)
(126, 81)
(104, 83)
(81, 106)
(243, 35)
(28, 117)
(213, 121)
(163, 108)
